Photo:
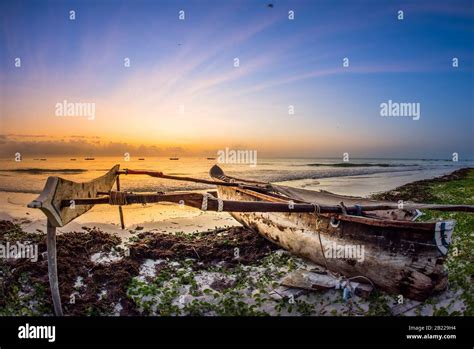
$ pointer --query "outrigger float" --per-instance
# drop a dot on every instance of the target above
(401, 256)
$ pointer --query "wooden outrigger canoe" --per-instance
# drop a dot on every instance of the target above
(399, 255)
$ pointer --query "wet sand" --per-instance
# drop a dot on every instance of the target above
(168, 218)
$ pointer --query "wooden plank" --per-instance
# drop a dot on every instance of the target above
(282, 292)
(407, 305)
(312, 281)
(309, 281)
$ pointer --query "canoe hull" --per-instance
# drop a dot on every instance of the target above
(397, 259)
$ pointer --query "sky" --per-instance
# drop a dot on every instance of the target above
(183, 95)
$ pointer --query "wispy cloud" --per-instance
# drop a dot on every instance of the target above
(190, 64)
(368, 69)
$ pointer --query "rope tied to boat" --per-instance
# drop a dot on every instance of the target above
(220, 205)
(206, 197)
(317, 210)
(118, 198)
(347, 291)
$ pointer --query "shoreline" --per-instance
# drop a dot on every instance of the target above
(150, 271)
(418, 191)
(370, 174)
(170, 218)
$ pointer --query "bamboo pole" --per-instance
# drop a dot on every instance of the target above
(53, 268)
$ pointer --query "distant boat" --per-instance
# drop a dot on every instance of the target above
(43, 159)
(174, 158)
(73, 159)
(211, 158)
(141, 159)
(89, 159)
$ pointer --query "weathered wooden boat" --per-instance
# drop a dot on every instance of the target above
(400, 256)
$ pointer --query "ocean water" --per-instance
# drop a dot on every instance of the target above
(357, 177)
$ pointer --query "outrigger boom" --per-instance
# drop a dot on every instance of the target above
(63, 201)
(198, 200)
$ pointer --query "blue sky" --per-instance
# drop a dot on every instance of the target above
(190, 63)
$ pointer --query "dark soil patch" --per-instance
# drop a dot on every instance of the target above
(235, 245)
(74, 259)
(74, 252)
(419, 191)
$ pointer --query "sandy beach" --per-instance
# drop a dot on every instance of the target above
(182, 262)
(165, 218)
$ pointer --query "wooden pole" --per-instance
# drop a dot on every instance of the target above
(53, 268)
(122, 223)
(195, 200)
(156, 174)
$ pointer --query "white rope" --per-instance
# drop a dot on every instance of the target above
(118, 198)
(205, 200)
(205, 197)
(317, 208)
